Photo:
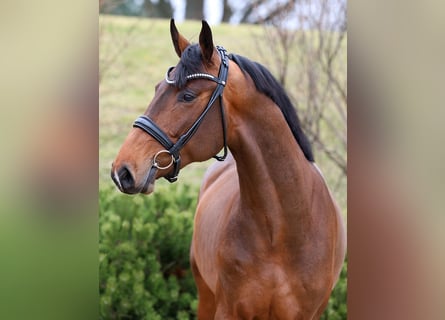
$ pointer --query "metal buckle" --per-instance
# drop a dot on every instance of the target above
(167, 76)
(156, 164)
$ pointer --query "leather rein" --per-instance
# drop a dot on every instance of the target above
(173, 149)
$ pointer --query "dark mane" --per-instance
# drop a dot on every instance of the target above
(268, 85)
(264, 82)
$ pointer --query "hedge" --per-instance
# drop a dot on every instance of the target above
(144, 267)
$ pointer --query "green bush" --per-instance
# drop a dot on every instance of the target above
(144, 257)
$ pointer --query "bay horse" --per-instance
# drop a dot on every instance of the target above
(269, 240)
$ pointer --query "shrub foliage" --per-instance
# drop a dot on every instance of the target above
(144, 257)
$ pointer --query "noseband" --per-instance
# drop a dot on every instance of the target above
(173, 149)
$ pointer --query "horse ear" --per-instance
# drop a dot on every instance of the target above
(179, 42)
(206, 42)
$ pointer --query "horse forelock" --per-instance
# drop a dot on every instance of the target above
(190, 63)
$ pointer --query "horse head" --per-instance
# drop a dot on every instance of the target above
(185, 105)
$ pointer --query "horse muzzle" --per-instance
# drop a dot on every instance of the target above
(124, 179)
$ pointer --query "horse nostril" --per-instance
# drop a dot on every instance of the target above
(125, 178)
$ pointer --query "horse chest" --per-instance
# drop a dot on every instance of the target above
(260, 288)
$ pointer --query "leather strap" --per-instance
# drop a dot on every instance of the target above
(149, 126)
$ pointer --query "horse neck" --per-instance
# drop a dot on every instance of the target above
(274, 175)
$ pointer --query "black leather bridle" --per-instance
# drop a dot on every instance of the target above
(173, 149)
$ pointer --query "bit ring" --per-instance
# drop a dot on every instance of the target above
(156, 164)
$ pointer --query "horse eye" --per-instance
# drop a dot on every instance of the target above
(188, 97)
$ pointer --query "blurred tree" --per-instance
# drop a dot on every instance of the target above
(157, 9)
(146, 8)
(120, 7)
(247, 11)
(194, 9)
(227, 11)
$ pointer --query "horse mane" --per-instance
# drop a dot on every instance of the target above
(265, 83)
